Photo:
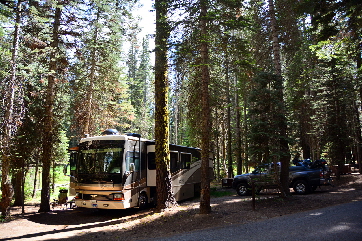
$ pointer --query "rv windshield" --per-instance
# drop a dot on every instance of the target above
(101, 161)
(101, 157)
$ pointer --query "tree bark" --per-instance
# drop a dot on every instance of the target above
(359, 80)
(17, 185)
(35, 178)
(47, 142)
(246, 129)
(218, 167)
(205, 207)
(165, 197)
(239, 159)
(228, 119)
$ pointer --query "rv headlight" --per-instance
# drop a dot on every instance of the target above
(118, 196)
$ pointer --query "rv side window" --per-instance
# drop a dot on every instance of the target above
(174, 161)
(132, 157)
(151, 157)
(185, 160)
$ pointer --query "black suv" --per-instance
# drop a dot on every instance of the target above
(302, 178)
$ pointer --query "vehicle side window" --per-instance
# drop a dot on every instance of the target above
(133, 157)
(151, 157)
(174, 161)
(185, 160)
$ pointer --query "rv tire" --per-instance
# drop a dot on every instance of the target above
(142, 200)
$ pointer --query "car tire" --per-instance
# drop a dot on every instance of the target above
(242, 189)
(301, 187)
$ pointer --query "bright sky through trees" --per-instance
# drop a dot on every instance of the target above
(147, 23)
(148, 17)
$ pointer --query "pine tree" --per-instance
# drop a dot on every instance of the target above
(337, 29)
(96, 69)
(8, 124)
(48, 122)
(284, 156)
(163, 182)
(139, 79)
(205, 207)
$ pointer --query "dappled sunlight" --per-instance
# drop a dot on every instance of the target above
(188, 206)
(234, 201)
(340, 228)
(316, 214)
(357, 199)
(343, 190)
(347, 189)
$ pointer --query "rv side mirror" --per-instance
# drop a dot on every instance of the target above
(131, 167)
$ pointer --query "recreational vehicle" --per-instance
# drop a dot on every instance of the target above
(114, 171)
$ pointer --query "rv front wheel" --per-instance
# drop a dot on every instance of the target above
(142, 201)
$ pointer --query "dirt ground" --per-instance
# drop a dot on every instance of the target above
(134, 224)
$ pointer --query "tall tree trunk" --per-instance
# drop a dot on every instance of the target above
(275, 41)
(163, 182)
(35, 178)
(90, 89)
(47, 142)
(228, 119)
(177, 114)
(223, 141)
(239, 160)
(17, 184)
(359, 80)
(304, 125)
(357, 140)
(246, 130)
(205, 207)
(283, 142)
(23, 190)
(218, 157)
(6, 187)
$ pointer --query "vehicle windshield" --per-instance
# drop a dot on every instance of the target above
(99, 161)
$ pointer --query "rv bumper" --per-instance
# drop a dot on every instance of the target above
(102, 204)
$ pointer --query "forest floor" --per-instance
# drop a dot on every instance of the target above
(65, 224)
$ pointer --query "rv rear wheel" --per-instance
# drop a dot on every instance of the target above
(142, 200)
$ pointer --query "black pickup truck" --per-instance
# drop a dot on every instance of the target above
(303, 179)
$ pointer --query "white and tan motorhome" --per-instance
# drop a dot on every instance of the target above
(114, 171)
